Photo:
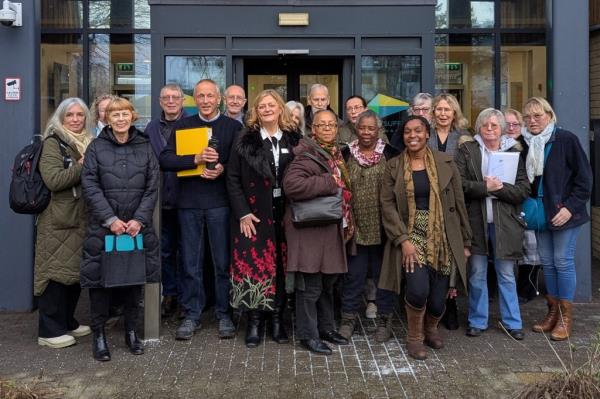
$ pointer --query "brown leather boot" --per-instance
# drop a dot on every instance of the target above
(415, 336)
(562, 330)
(548, 323)
(433, 338)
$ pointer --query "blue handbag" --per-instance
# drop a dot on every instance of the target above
(533, 208)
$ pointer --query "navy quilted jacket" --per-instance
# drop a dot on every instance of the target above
(119, 180)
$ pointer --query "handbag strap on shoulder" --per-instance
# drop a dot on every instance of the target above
(540, 192)
(317, 160)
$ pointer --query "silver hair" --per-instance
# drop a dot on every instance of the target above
(57, 118)
(207, 81)
(369, 114)
(292, 105)
(318, 86)
(485, 116)
(419, 99)
(230, 86)
(172, 86)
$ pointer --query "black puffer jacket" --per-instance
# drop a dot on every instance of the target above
(119, 180)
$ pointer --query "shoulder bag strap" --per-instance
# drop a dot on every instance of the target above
(547, 149)
(317, 160)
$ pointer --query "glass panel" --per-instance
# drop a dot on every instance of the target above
(258, 83)
(523, 69)
(388, 84)
(523, 14)
(186, 71)
(120, 64)
(332, 83)
(119, 14)
(62, 14)
(60, 71)
(464, 67)
(464, 14)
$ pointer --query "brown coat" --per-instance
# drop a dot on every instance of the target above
(312, 249)
(394, 212)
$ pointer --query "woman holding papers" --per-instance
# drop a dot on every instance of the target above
(425, 219)
(61, 226)
(120, 183)
(257, 164)
(494, 195)
(557, 161)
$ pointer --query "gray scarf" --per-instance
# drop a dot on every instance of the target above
(535, 156)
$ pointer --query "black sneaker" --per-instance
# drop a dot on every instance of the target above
(186, 330)
(226, 328)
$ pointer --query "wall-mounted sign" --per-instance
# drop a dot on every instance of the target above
(12, 89)
(449, 73)
(293, 19)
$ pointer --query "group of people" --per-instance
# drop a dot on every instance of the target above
(418, 214)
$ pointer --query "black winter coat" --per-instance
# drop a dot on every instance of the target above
(250, 181)
(119, 180)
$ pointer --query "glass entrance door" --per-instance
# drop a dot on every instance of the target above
(293, 77)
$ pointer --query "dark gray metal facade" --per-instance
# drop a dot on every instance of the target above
(571, 78)
(348, 29)
(19, 49)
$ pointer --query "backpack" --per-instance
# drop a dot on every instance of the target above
(28, 193)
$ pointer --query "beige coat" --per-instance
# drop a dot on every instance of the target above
(394, 212)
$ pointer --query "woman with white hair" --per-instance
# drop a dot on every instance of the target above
(61, 226)
(297, 110)
(494, 209)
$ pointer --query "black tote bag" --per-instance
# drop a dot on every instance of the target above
(123, 268)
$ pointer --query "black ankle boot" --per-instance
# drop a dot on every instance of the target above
(254, 329)
(278, 332)
(450, 319)
(99, 346)
(133, 343)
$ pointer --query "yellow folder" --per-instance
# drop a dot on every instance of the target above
(191, 142)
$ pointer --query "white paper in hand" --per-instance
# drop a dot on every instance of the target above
(503, 165)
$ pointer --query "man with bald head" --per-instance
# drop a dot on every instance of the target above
(235, 100)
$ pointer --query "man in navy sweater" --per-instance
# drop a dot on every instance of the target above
(203, 204)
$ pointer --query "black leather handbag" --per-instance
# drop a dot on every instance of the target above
(317, 211)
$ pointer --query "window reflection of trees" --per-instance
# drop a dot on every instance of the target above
(119, 13)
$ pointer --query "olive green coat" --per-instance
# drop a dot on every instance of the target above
(394, 212)
(61, 226)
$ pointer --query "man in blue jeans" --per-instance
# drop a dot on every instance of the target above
(203, 205)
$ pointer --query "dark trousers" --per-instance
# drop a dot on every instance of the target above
(356, 277)
(56, 308)
(169, 248)
(427, 287)
(193, 223)
(314, 304)
(100, 299)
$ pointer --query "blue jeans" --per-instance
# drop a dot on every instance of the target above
(557, 254)
(193, 222)
(169, 246)
(356, 277)
(507, 288)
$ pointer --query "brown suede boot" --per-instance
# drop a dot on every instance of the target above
(433, 339)
(384, 327)
(562, 330)
(347, 325)
(548, 323)
(415, 336)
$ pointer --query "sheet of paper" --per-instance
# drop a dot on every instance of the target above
(504, 166)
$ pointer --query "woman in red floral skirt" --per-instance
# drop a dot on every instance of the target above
(256, 166)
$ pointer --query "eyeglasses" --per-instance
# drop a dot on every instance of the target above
(537, 117)
(355, 108)
(236, 98)
(170, 98)
(324, 126)
(420, 109)
(512, 125)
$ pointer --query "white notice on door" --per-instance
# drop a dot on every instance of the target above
(12, 89)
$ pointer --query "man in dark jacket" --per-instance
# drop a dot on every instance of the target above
(203, 203)
(159, 131)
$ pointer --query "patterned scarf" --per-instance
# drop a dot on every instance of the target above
(438, 253)
(80, 140)
(535, 156)
(367, 161)
(337, 164)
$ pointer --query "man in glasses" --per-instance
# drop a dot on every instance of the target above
(235, 100)
(159, 131)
